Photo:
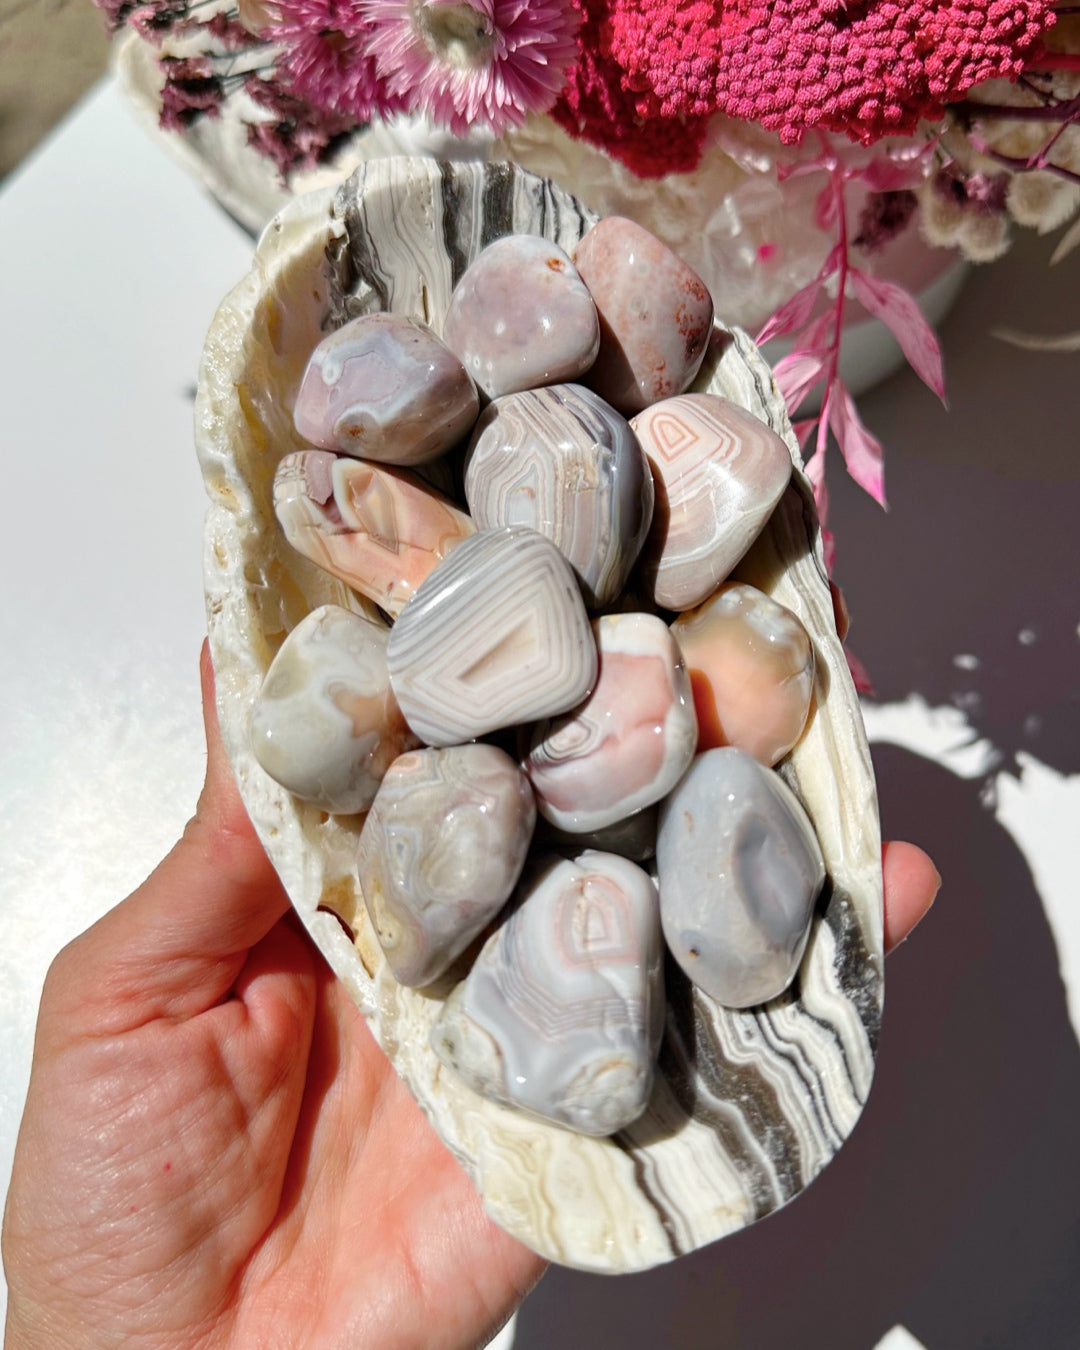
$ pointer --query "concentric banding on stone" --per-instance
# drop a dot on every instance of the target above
(719, 472)
(747, 1106)
(562, 1011)
(440, 852)
(522, 317)
(496, 636)
(564, 463)
(326, 725)
(630, 741)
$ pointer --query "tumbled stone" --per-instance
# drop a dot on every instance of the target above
(656, 314)
(739, 871)
(630, 741)
(719, 472)
(564, 463)
(521, 317)
(384, 387)
(380, 530)
(562, 1011)
(440, 852)
(497, 635)
(326, 725)
(751, 666)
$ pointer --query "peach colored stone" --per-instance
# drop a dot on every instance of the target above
(380, 530)
(751, 668)
(656, 315)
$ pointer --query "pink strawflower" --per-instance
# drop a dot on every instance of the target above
(473, 62)
(327, 60)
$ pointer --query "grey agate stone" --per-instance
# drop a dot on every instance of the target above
(562, 1012)
(440, 853)
(325, 724)
(739, 871)
(522, 317)
(563, 462)
(496, 636)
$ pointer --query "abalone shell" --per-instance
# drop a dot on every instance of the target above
(700, 1162)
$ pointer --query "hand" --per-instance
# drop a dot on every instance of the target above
(215, 1152)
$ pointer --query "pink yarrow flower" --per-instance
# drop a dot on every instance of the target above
(473, 62)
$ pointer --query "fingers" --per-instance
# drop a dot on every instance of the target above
(175, 945)
(911, 884)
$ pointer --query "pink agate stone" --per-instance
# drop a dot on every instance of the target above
(751, 666)
(380, 530)
(521, 317)
(656, 315)
(719, 471)
(384, 387)
(631, 740)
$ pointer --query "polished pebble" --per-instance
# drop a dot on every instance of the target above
(719, 472)
(521, 317)
(751, 667)
(380, 530)
(630, 741)
(656, 314)
(562, 1011)
(496, 636)
(564, 463)
(440, 852)
(384, 387)
(739, 871)
(325, 724)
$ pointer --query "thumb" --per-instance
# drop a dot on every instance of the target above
(175, 945)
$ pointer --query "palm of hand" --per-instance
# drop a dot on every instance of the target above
(215, 1152)
(247, 1168)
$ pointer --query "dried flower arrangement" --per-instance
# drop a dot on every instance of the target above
(962, 116)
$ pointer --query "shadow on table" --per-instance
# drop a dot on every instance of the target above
(954, 1209)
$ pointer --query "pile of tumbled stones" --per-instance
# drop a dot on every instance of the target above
(635, 735)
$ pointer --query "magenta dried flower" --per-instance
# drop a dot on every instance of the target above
(477, 62)
(190, 91)
(327, 61)
(885, 215)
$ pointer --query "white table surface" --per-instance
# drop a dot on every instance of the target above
(113, 262)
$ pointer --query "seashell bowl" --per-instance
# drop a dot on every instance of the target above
(749, 1105)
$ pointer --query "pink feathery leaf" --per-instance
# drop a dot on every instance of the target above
(899, 310)
(828, 550)
(795, 313)
(863, 453)
(796, 374)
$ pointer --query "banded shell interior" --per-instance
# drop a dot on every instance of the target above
(749, 1106)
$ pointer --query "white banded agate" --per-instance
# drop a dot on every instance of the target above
(325, 724)
(561, 461)
(384, 387)
(719, 472)
(562, 1011)
(631, 740)
(496, 636)
(522, 317)
(739, 871)
(440, 852)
